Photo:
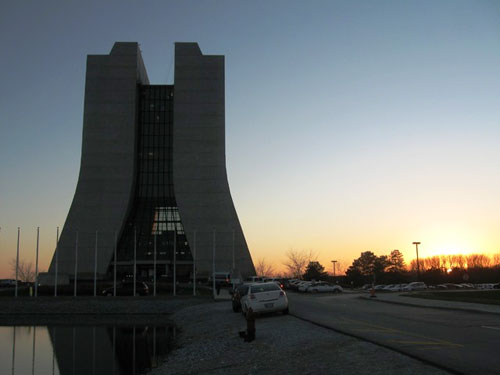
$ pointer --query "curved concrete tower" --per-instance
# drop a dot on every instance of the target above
(153, 180)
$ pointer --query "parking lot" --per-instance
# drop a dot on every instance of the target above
(444, 334)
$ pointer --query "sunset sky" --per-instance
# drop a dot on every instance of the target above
(350, 125)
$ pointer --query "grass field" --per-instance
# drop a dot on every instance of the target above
(490, 297)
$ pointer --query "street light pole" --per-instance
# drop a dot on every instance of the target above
(333, 263)
(418, 263)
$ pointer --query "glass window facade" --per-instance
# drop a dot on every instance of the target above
(154, 211)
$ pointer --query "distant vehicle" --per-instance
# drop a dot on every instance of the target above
(485, 286)
(237, 293)
(466, 286)
(275, 280)
(496, 286)
(264, 297)
(221, 278)
(416, 285)
(294, 284)
(126, 288)
(322, 287)
(393, 287)
(449, 286)
(399, 287)
(254, 279)
(7, 283)
(302, 286)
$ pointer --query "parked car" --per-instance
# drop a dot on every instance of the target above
(275, 280)
(416, 285)
(303, 285)
(496, 286)
(221, 278)
(264, 297)
(294, 284)
(254, 279)
(392, 288)
(485, 286)
(466, 286)
(7, 282)
(322, 287)
(237, 293)
(126, 288)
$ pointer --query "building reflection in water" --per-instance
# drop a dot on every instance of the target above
(84, 350)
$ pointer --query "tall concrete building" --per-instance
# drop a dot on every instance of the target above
(152, 182)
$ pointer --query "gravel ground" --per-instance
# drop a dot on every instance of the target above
(209, 344)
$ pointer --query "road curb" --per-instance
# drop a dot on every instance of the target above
(429, 307)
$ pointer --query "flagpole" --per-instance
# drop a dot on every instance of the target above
(56, 256)
(36, 262)
(194, 264)
(17, 258)
(76, 264)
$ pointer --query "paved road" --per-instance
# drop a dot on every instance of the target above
(463, 342)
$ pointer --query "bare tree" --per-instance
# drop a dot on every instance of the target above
(478, 261)
(433, 262)
(496, 259)
(25, 271)
(263, 268)
(459, 261)
(421, 265)
(297, 261)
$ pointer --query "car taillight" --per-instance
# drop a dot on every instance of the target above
(281, 286)
(252, 296)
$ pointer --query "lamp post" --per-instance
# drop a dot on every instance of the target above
(418, 263)
(333, 263)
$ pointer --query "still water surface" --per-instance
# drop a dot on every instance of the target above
(83, 350)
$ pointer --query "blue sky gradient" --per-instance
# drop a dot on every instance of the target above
(351, 125)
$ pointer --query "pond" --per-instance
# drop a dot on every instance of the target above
(84, 350)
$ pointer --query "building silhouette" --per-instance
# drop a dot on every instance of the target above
(153, 182)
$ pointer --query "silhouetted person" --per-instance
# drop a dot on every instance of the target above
(249, 335)
(217, 288)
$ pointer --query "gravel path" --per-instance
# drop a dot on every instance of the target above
(209, 344)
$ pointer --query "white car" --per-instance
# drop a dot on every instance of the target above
(395, 287)
(416, 285)
(264, 297)
(254, 279)
(303, 285)
(320, 287)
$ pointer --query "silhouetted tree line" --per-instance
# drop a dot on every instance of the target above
(383, 269)
(458, 268)
(391, 269)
